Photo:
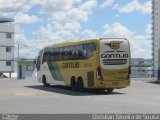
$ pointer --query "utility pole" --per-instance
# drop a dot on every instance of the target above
(19, 49)
(18, 52)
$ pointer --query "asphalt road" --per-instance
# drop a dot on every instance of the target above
(29, 96)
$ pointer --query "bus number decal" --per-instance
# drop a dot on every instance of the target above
(70, 65)
(88, 65)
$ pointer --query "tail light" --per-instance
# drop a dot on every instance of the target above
(129, 72)
(98, 73)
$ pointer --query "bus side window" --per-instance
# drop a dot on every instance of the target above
(44, 58)
(48, 57)
(89, 49)
(52, 56)
(80, 54)
(38, 63)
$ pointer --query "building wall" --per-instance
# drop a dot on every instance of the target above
(141, 68)
(25, 72)
(156, 35)
(141, 72)
(6, 31)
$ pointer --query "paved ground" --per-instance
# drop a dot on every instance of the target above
(29, 96)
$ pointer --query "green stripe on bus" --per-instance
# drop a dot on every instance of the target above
(54, 70)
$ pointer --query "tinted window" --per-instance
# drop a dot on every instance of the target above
(89, 49)
(39, 60)
(8, 49)
(8, 35)
(8, 63)
(74, 52)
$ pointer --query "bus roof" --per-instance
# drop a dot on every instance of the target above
(73, 42)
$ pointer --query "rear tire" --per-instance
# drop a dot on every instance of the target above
(110, 90)
(73, 84)
(80, 85)
(45, 84)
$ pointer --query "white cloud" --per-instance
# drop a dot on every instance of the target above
(135, 5)
(147, 7)
(68, 12)
(25, 18)
(67, 20)
(82, 13)
(148, 32)
(149, 29)
(53, 35)
(130, 7)
(67, 17)
(107, 3)
(70, 26)
(140, 44)
(28, 47)
(49, 6)
(58, 9)
(88, 34)
(18, 29)
(140, 47)
(116, 6)
(10, 7)
(116, 30)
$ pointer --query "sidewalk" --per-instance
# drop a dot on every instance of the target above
(8, 78)
(154, 80)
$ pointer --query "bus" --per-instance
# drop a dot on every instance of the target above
(100, 64)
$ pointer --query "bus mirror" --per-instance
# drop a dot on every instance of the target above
(35, 61)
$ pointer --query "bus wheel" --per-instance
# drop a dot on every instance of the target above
(80, 85)
(45, 84)
(73, 84)
(110, 90)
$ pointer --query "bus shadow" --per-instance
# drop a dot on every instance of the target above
(155, 82)
(67, 90)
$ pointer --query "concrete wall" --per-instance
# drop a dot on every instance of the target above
(24, 72)
(6, 42)
(156, 35)
(141, 72)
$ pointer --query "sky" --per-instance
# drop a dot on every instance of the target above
(39, 23)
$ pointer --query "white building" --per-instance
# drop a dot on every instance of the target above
(141, 68)
(6, 46)
(156, 35)
(141, 72)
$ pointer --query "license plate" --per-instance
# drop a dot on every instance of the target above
(115, 83)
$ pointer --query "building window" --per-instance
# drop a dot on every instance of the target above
(30, 67)
(8, 63)
(8, 49)
(8, 35)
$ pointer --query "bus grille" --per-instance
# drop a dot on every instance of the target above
(114, 61)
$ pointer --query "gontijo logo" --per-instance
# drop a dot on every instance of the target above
(114, 44)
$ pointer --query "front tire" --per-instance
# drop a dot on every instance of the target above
(110, 90)
(45, 84)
